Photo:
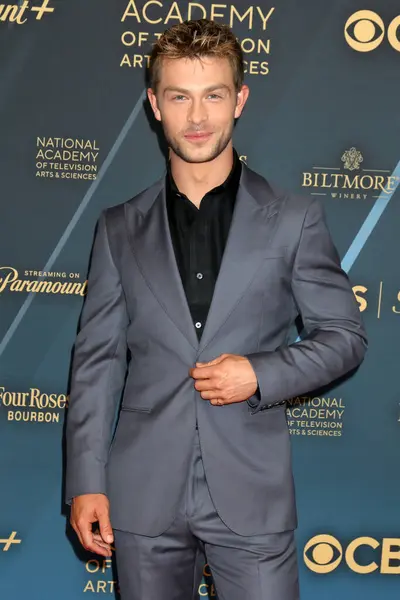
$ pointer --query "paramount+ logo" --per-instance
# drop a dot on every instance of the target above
(19, 11)
(363, 555)
(365, 30)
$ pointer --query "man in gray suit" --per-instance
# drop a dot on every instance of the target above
(193, 288)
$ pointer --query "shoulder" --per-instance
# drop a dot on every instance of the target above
(295, 212)
(140, 202)
(266, 192)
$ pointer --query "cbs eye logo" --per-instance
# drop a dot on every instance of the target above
(325, 553)
(365, 30)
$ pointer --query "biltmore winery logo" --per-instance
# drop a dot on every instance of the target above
(350, 179)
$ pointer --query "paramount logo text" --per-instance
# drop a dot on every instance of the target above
(9, 280)
(17, 13)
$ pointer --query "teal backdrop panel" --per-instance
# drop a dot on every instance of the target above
(77, 136)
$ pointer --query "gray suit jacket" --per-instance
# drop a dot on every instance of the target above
(137, 339)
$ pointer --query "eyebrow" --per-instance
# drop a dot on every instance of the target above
(212, 88)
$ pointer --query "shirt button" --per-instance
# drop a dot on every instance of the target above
(198, 325)
(199, 275)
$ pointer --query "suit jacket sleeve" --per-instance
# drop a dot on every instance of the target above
(98, 372)
(335, 339)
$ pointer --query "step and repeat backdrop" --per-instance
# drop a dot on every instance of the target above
(323, 118)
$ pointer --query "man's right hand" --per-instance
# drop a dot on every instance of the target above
(86, 510)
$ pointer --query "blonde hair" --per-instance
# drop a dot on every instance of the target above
(197, 39)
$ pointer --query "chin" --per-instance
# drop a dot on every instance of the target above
(197, 155)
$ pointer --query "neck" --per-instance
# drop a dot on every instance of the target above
(196, 179)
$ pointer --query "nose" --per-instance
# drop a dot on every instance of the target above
(197, 112)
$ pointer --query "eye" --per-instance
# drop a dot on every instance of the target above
(214, 96)
(179, 97)
(322, 554)
(364, 31)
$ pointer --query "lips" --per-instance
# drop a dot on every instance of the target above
(198, 136)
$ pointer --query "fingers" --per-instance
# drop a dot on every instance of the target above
(207, 375)
(211, 394)
(105, 527)
(85, 530)
(86, 510)
(216, 361)
(97, 538)
(203, 385)
(209, 390)
(217, 402)
(202, 372)
(205, 370)
(93, 542)
(76, 529)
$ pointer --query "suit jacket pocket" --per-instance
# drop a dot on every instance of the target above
(268, 410)
(278, 252)
(140, 409)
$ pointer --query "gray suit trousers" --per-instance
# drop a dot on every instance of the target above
(170, 566)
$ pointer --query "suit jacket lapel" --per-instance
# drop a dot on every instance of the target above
(253, 223)
(254, 220)
(152, 246)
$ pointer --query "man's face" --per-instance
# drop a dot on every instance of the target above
(197, 103)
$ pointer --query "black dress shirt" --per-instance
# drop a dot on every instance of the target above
(199, 237)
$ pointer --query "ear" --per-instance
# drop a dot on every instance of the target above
(241, 100)
(154, 105)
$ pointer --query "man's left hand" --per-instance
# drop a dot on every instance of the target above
(227, 379)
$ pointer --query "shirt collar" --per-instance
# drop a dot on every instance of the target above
(229, 186)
